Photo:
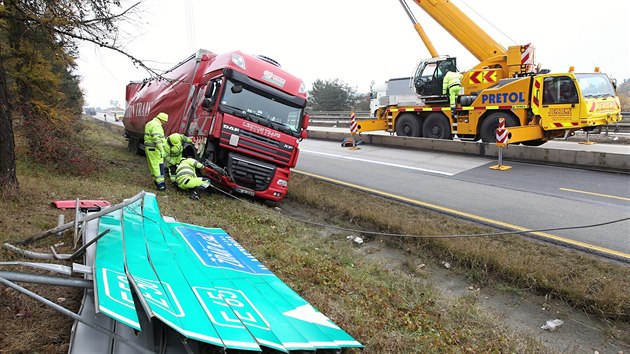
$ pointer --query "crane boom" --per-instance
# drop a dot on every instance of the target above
(463, 29)
(516, 60)
(425, 39)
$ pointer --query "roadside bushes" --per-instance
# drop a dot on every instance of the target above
(55, 141)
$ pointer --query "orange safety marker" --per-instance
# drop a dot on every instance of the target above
(501, 137)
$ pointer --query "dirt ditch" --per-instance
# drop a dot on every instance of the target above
(515, 309)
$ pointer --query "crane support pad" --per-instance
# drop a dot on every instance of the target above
(203, 284)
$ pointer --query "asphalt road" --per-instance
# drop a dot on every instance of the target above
(526, 197)
(107, 117)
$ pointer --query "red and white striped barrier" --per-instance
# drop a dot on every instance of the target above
(353, 124)
(501, 137)
(502, 132)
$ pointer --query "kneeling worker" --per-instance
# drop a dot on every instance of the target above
(186, 177)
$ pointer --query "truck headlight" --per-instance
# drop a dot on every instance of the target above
(282, 183)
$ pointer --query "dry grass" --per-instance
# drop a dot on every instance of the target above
(387, 312)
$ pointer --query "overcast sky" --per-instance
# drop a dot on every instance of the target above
(355, 41)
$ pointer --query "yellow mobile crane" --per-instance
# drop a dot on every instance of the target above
(537, 105)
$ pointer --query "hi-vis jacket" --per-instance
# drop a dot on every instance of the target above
(175, 147)
(451, 79)
(154, 135)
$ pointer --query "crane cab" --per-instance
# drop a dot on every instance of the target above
(429, 75)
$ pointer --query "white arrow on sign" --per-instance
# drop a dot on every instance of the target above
(308, 314)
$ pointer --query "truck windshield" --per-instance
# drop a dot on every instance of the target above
(595, 85)
(262, 108)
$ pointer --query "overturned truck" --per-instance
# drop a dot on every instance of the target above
(244, 113)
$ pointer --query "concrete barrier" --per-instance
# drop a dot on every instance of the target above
(570, 158)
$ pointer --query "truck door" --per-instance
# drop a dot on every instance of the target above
(443, 67)
(206, 109)
(560, 103)
(430, 75)
(423, 78)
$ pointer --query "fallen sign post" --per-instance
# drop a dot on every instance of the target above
(502, 137)
(83, 220)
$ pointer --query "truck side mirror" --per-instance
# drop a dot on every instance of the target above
(210, 90)
(305, 121)
(237, 88)
(206, 104)
(213, 89)
(303, 134)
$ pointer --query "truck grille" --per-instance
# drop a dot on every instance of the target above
(259, 146)
(250, 173)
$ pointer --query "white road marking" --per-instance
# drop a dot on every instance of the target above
(379, 163)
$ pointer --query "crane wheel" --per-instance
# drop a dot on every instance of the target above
(488, 129)
(436, 126)
(409, 124)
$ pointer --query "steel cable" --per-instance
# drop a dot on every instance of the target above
(426, 236)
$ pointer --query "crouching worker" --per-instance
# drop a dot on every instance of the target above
(174, 149)
(186, 177)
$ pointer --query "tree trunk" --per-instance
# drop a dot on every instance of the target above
(8, 175)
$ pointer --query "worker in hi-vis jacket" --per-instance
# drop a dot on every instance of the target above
(450, 87)
(174, 149)
(154, 148)
(186, 177)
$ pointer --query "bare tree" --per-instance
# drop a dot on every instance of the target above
(37, 37)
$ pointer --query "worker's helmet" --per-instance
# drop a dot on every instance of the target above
(163, 117)
(175, 139)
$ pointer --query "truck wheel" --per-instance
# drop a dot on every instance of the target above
(408, 124)
(488, 129)
(436, 126)
(133, 145)
(271, 203)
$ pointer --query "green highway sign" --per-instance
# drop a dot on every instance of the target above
(203, 284)
(113, 295)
